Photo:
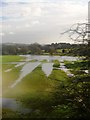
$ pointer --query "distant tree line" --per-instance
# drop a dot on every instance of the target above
(52, 49)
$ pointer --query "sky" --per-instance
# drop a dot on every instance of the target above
(40, 21)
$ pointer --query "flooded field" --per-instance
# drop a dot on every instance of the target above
(31, 76)
(29, 66)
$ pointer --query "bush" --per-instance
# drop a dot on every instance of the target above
(56, 63)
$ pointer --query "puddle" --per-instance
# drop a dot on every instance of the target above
(47, 68)
(12, 104)
(27, 68)
(8, 70)
(63, 67)
(19, 64)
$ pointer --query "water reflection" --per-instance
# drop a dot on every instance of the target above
(50, 58)
(12, 104)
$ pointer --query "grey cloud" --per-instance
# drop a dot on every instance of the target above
(41, 22)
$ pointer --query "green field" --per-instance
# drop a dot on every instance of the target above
(11, 58)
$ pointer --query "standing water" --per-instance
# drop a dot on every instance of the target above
(29, 67)
(47, 68)
(12, 104)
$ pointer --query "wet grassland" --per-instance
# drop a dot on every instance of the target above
(38, 91)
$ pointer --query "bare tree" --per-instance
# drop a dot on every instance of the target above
(78, 32)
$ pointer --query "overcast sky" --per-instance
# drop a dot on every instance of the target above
(41, 21)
